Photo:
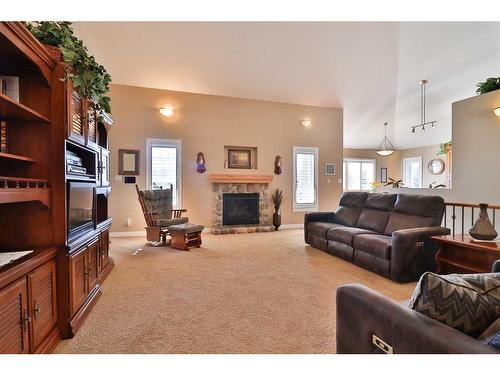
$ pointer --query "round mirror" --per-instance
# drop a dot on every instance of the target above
(436, 166)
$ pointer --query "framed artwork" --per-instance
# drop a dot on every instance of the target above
(128, 162)
(329, 169)
(383, 175)
(239, 159)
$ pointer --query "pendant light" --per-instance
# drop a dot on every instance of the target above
(386, 148)
(423, 123)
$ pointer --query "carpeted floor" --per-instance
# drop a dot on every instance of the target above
(242, 293)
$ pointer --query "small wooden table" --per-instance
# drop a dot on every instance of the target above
(186, 235)
(463, 254)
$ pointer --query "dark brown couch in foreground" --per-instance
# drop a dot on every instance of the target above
(386, 233)
(368, 322)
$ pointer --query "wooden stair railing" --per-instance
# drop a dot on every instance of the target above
(464, 213)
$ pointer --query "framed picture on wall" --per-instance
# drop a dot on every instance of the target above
(239, 159)
(128, 162)
(383, 175)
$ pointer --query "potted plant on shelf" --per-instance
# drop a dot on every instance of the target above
(444, 148)
(89, 78)
(277, 199)
(491, 84)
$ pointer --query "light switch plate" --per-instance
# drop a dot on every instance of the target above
(118, 177)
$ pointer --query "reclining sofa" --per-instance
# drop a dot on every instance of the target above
(370, 323)
(385, 233)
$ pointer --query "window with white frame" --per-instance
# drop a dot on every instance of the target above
(358, 174)
(412, 172)
(305, 179)
(163, 165)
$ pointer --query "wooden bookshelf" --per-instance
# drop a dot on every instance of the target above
(13, 195)
(7, 156)
(12, 110)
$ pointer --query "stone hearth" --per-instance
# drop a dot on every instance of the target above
(241, 184)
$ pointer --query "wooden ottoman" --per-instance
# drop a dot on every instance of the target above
(185, 235)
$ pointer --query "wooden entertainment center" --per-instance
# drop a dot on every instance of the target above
(56, 208)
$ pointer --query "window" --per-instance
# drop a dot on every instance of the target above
(163, 158)
(358, 174)
(305, 177)
(412, 172)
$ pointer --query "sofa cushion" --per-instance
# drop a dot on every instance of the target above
(346, 235)
(420, 205)
(350, 206)
(415, 211)
(374, 220)
(320, 228)
(468, 303)
(376, 212)
(375, 244)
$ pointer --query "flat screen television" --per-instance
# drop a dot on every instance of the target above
(80, 207)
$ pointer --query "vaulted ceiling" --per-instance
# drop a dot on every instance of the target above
(371, 70)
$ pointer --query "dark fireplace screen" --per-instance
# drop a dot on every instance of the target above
(240, 208)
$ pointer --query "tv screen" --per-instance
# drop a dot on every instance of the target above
(80, 205)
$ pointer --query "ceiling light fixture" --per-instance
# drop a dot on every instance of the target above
(386, 148)
(166, 111)
(422, 124)
(497, 111)
(306, 123)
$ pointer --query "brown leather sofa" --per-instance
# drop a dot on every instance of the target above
(368, 322)
(386, 233)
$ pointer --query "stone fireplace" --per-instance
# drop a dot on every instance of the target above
(241, 204)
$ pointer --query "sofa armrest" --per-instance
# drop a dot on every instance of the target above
(413, 252)
(363, 313)
(327, 217)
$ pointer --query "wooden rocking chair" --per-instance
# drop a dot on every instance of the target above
(158, 212)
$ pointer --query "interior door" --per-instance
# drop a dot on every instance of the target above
(78, 279)
(14, 318)
(93, 263)
(104, 250)
(105, 181)
(43, 304)
(91, 120)
(76, 121)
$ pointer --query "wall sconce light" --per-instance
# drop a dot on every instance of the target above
(497, 111)
(306, 123)
(166, 111)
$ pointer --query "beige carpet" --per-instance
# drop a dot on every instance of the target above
(242, 293)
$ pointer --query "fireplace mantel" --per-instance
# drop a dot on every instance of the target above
(240, 179)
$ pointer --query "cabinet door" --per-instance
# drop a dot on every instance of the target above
(104, 250)
(104, 158)
(93, 263)
(78, 286)
(14, 318)
(91, 125)
(76, 121)
(42, 301)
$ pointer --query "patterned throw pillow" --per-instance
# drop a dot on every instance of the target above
(468, 303)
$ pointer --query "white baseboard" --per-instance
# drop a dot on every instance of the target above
(142, 233)
(292, 226)
(139, 233)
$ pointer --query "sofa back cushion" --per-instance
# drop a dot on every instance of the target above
(350, 207)
(414, 211)
(376, 212)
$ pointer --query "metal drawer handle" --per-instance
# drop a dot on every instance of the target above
(420, 244)
(386, 348)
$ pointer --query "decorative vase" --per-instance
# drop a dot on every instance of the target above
(276, 220)
(483, 229)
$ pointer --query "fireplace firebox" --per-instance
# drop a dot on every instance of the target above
(240, 208)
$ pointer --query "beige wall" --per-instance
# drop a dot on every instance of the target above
(476, 152)
(207, 123)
